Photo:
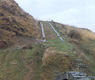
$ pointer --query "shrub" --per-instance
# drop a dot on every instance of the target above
(74, 35)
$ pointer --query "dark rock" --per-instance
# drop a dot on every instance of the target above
(28, 47)
(1, 14)
(3, 44)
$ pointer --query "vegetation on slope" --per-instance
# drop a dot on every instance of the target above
(15, 22)
(54, 62)
(27, 60)
(23, 59)
(83, 40)
(59, 56)
(21, 64)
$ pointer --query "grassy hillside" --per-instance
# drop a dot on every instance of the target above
(15, 22)
(83, 40)
(54, 62)
(21, 64)
(31, 59)
(43, 61)
(59, 56)
(20, 51)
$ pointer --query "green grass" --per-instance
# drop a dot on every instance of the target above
(14, 64)
(55, 41)
(59, 45)
(86, 46)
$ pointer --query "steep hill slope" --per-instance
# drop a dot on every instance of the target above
(77, 48)
(21, 61)
(15, 22)
(32, 59)
(83, 40)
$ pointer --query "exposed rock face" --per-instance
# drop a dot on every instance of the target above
(14, 20)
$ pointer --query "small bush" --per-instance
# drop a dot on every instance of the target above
(74, 35)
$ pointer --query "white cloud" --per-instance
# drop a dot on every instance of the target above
(73, 12)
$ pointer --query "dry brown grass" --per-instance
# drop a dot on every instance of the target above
(14, 20)
(83, 40)
(54, 61)
(85, 33)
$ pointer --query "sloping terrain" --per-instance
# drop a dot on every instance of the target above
(15, 22)
(32, 59)
(22, 61)
(56, 57)
(68, 55)
(83, 40)
(21, 64)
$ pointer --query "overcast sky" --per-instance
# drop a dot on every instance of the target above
(80, 13)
